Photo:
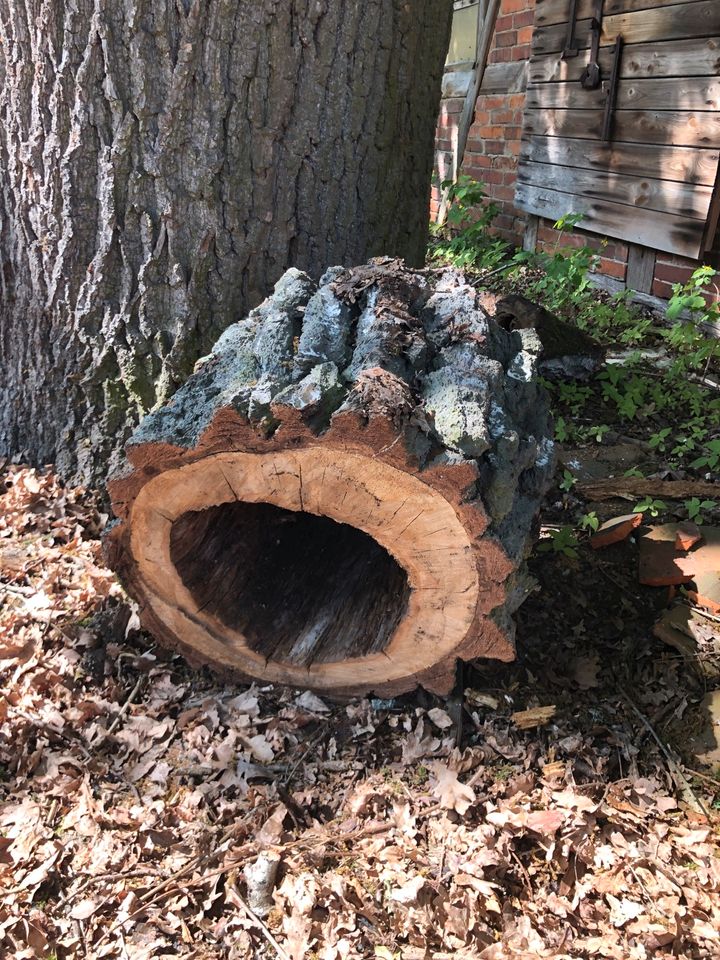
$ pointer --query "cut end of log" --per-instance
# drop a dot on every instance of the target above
(341, 497)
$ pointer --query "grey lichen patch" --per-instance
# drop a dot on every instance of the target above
(326, 330)
(319, 394)
(458, 409)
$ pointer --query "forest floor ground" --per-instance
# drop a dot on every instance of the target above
(135, 791)
(141, 800)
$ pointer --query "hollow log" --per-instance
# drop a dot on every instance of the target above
(341, 496)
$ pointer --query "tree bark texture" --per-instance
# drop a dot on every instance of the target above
(342, 495)
(163, 161)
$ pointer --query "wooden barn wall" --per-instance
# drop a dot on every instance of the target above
(494, 146)
(653, 182)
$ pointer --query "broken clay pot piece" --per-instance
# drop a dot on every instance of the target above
(615, 530)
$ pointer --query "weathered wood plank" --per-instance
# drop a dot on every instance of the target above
(531, 233)
(699, 93)
(678, 22)
(673, 58)
(640, 268)
(549, 12)
(678, 128)
(505, 77)
(643, 193)
(659, 162)
(652, 229)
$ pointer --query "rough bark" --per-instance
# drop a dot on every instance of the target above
(162, 162)
(342, 495)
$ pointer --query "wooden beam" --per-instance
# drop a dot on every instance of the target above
(686, 164)
(697, 94)
(671, 58)
(548, 12)
(679, 21)
(643, 193)
(680, 128)
(652, 229)
(531, 233)
(640, 268)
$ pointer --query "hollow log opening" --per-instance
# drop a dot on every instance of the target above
(301, 588)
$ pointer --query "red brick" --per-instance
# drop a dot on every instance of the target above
(504, 22)
(481, 116)
(524, 19)
(521, 52)
(478, 160)
(516, 6)
(492, 102)
(661, 289)
(506, 39)
(611, 268)
(502, 55)
(524, 35)
(671, 273)
(503, 116)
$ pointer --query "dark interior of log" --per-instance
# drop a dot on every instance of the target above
(301, 588)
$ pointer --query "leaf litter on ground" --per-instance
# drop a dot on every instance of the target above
(147, 811)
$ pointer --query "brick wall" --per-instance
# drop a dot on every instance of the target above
(494, 144)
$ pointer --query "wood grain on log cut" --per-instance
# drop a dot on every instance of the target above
(341, 496)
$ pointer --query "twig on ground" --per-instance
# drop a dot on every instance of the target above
(681, 781)
(125, 707)
(259, 923)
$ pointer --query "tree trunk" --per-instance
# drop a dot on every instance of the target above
(163, 161)
(341, 497)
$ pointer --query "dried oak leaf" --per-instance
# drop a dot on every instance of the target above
(452, 794)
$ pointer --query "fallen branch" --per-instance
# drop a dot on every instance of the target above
(630, 488)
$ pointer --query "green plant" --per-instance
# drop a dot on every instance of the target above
(695, 507)
(568, 481)
(650, 506)
(590, 521)
(464, 239)
(596, 433)
(561, 541)
(657, 440)
(710, 459)
(627, 389)
(563, 281)
(562, 433)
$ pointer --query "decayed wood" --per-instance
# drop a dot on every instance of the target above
(341, 496)
(630, 488)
